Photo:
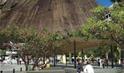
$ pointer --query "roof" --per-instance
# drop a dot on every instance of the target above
(67, 45)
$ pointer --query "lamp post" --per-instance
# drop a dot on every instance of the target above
(122, 57)
(74, 43)
(108, 19)
(112, 58)
(108, 16)
(54, 56)
(54, 60)
(82, 55)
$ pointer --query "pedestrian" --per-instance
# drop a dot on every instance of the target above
(98, 62)
(88, 68)
(106, 63)
(79, 67)
(103, 63)
(20, 60)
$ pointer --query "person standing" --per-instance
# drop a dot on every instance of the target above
(103, 63)
(98, 62)
(79, 67)
(106, 63)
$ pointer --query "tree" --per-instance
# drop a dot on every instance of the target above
(10, 33)
(38, 48)
(35, 43)
(99, 27)
(106, 24)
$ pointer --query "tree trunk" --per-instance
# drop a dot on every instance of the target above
(34, 65)
(106, 55)
(44, 58)
(26, 63)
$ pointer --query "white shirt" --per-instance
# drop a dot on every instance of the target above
(88, 69)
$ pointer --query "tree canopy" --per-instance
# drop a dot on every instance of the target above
(106, 24)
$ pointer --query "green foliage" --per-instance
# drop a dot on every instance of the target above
(98, 27)
(8, 33)
(56, 36)
(2, 52)
(112, 28)
(98, 52)
(17, 34)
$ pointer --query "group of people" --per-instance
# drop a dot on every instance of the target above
(84, 68)
(103, 62)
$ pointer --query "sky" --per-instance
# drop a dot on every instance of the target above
(105, 3)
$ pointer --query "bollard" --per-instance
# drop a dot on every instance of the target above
(1, 71)
(13, 70)
(21, 69)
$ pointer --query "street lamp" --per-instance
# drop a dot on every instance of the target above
(74, 43)
(108, 19)
(112, 57)
(108, 16)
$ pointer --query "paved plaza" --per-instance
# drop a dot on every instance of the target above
(8, 68)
